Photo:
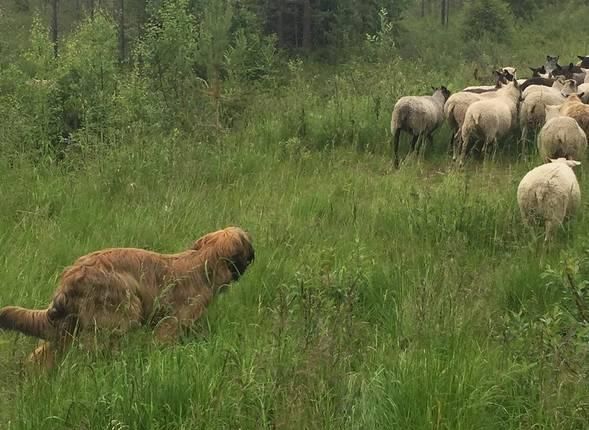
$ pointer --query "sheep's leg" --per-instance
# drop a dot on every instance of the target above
(395, 147)
(451, 148)
(414, 146)
(415, 142)
(457, 148)
(524, 140)
(465, 148)
(429, 139)
(494, 149)
(485, 146)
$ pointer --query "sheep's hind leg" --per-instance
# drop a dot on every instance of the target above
(494, 149)
(464, 151)
(457, 148)
(427, 140)
(395, 147)
(524, 142)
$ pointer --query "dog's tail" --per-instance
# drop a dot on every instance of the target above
(30, 322)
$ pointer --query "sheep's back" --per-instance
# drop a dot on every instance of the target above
(456, 107)
(580, 112)
(562, 137)
(533, 108)
(548, 190)
(491, 117)
(417, 114)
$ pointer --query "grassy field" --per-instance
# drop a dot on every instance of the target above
(412, 299)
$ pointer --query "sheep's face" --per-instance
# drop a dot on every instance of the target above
(584, 63)
(445, 92)
(573, 97)
(509, 73)
(551, 62)
(539, 72)
(502, 77)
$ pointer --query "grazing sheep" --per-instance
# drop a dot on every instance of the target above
(561, 137)
(549, 193)
(533, 108)
(490, 118)
(567, 72)
(419, 116)
(537, 81)
(455, 112)
(575, 108)
(559, 85)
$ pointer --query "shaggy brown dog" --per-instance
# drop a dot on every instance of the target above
(117, 289)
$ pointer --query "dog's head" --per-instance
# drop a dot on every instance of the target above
(227, 253)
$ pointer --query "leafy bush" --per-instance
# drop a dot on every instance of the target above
(487, 18)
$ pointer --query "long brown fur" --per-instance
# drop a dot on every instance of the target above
(118, 289)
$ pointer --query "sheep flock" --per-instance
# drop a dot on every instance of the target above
(549, 106)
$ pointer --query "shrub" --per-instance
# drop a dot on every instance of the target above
(487, 18)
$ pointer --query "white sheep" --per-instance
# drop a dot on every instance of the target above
(490, 118)
(575, 108)
(560, 85)
(455, 112)
(419, 116)
(550, 194)
(584, 89)
(533, 107)
(561, 136)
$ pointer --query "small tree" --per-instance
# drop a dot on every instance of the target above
(487, 18)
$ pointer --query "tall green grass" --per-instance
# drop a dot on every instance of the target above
(377, 299)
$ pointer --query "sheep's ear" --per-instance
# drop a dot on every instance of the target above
(573, 163)
(581, 94)
(434, 88)
(581, 57)
(533, 69)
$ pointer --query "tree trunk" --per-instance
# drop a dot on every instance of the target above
(280, 25)
(444, 12)
(423, 8)
(307, 24)
(122, 41)
(92, 10)
(447, 14)
(54, 31)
